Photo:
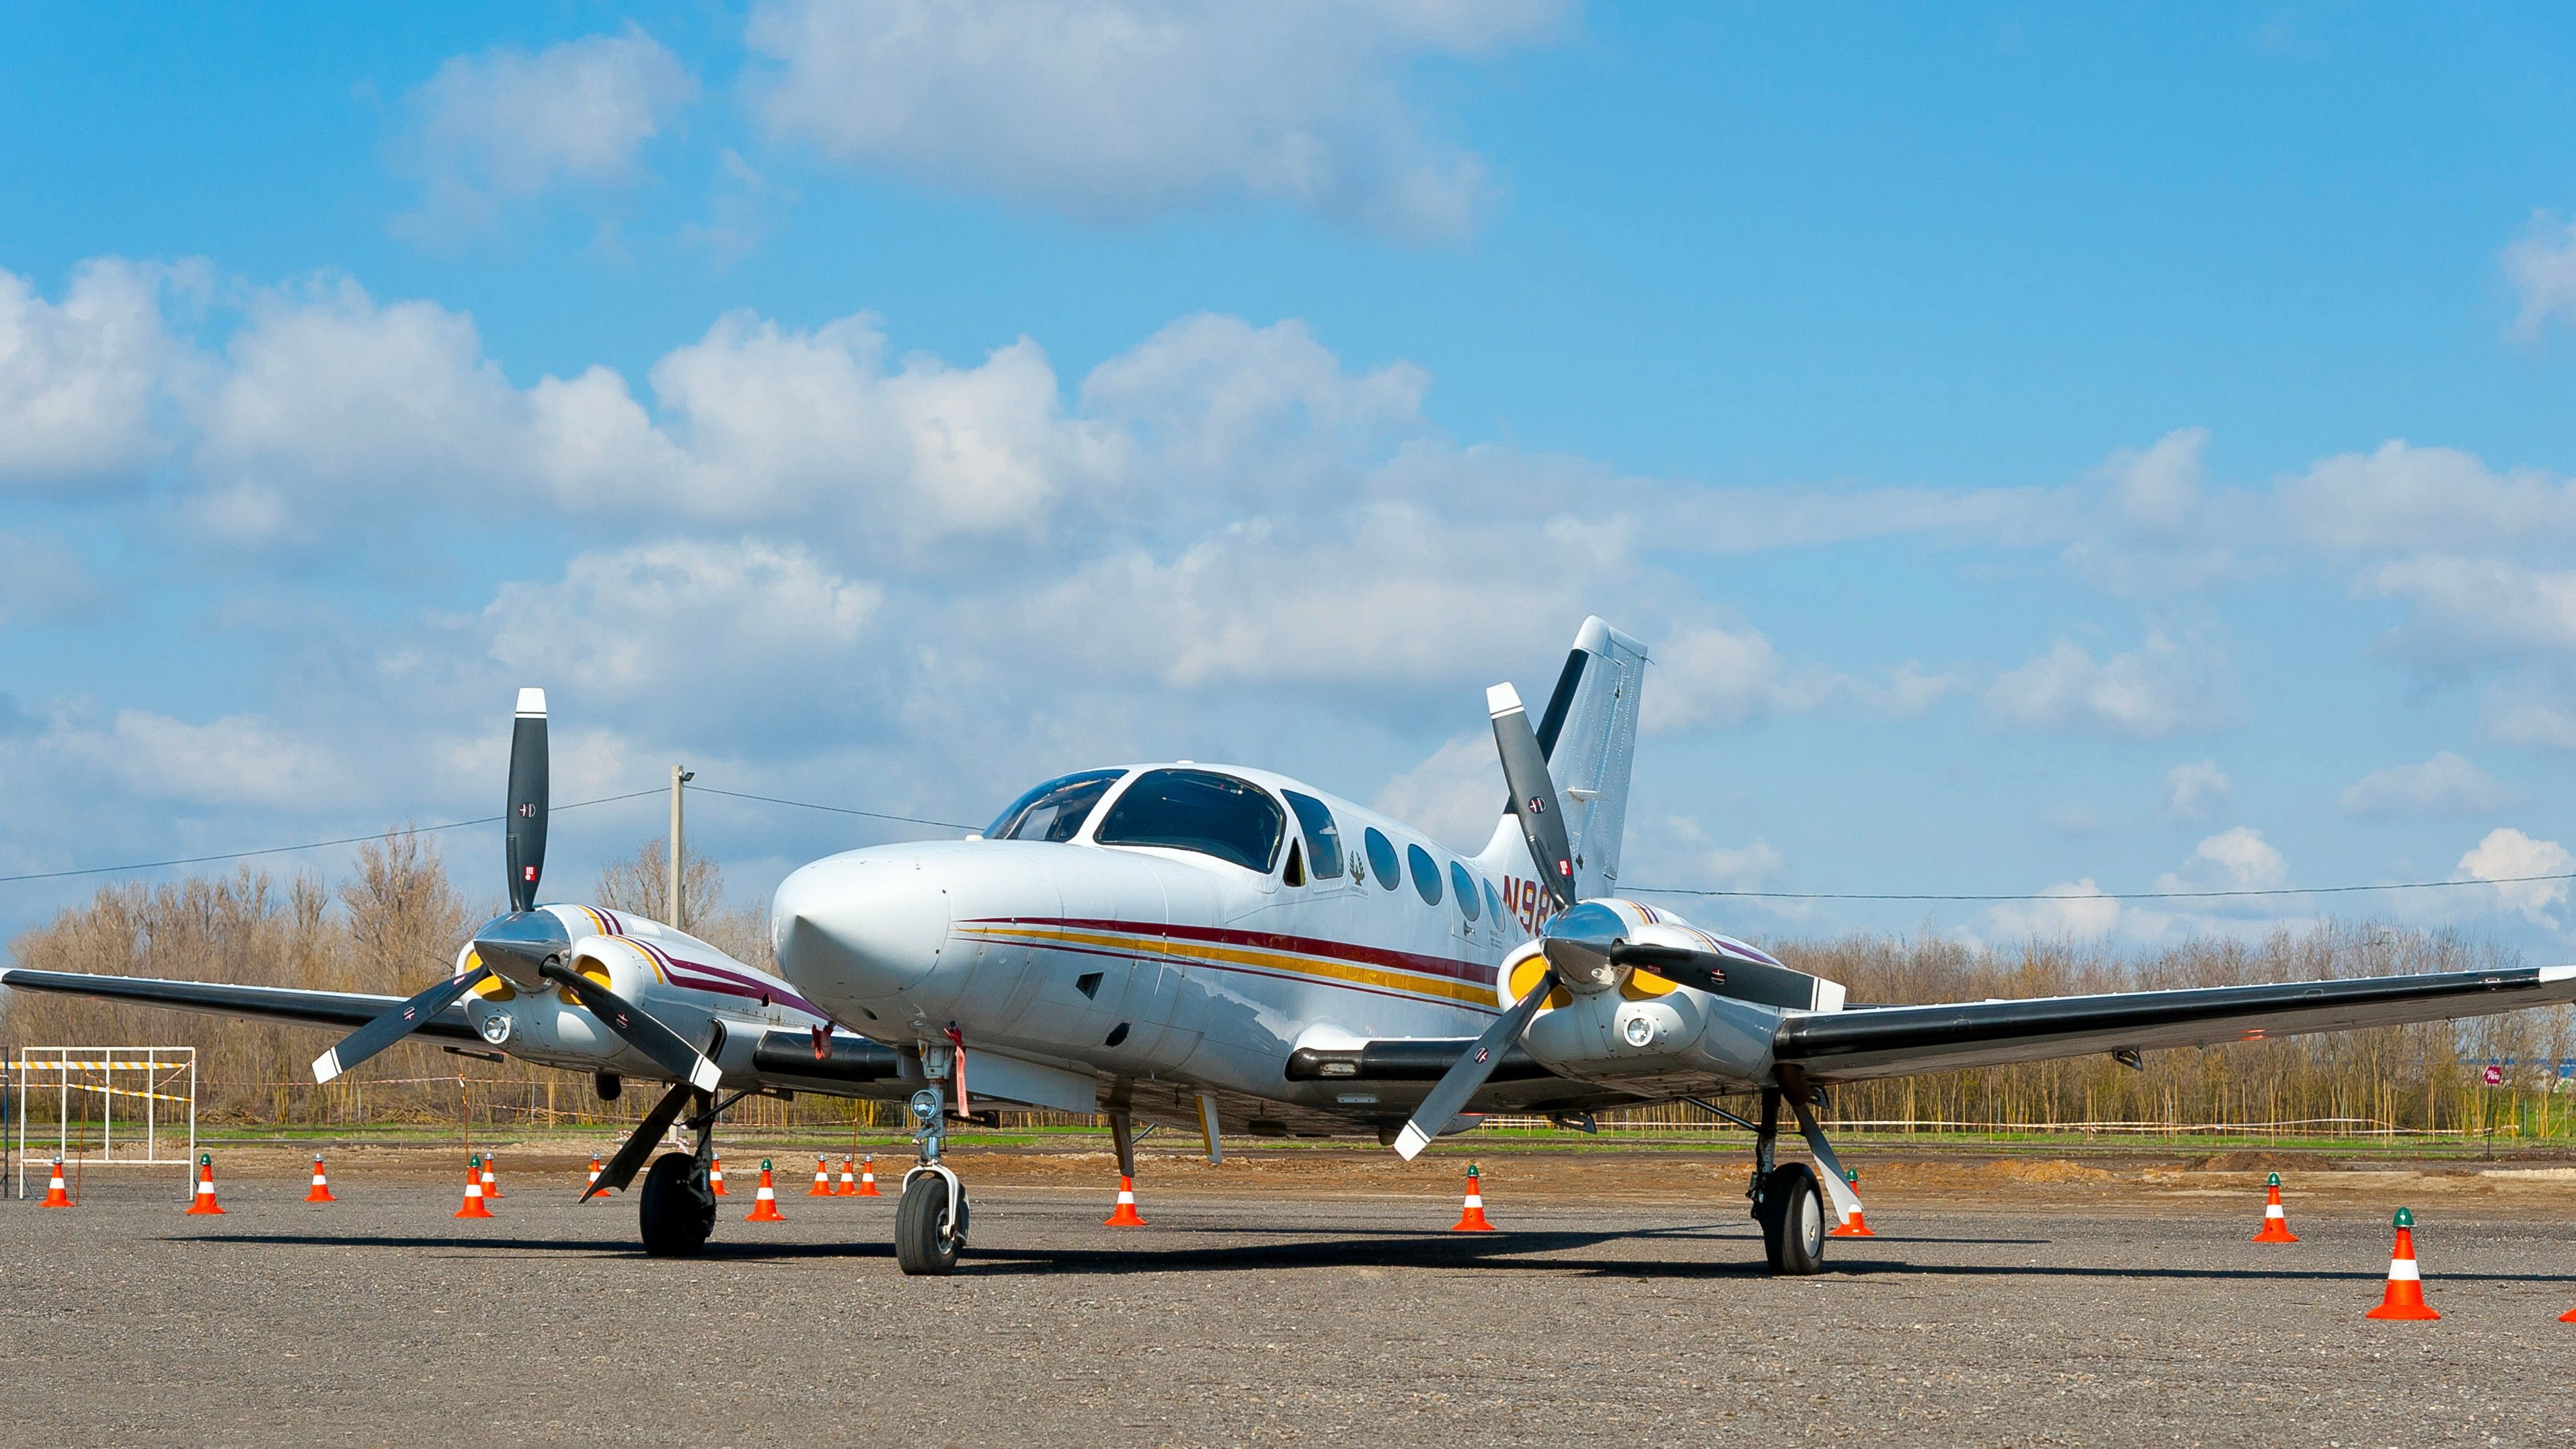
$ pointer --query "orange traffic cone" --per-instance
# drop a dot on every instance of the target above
(321, 1185)
(849, 1178)
(868, 1176)
(764, 1205)
(1855, 1226)
(594, 1178)
(491, 1184)
(1124, 1215)
(474, 1207)
(54, 1194)
(2405, 1295)
(822, 1180)
(1472, 1220)
(204, 1204)
(2276, 1223)
(715, 1178)
(2568, 1317)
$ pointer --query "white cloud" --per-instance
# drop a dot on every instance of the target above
(2541, 265)
(506, 124)
(1455, 796)
(2479, 603)
(1120, 109)
(2155, 528)
(80, 379)
(2232, 860)
(1706, 677)
(2523, 717)
(2444, 784)
(235, 760)
(2405, 499)
(670, 619)
(2509, 858)
(2075, 910)
(2164, 687)
(2194, 791)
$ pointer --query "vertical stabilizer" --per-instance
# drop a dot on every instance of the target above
(1590, 735)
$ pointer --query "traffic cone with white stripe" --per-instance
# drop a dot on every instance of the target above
(764, 1205)
(321, 1185)
(1472, 1219)
(204, 1204)
(474, 1207)
(2405, 1295)
(595, 1170)
(822, 1179)
(1855, 1226)
(868, 1176)
(491, 1184)
(715, 1178)
(849, 1178)
(1124, 1215)
(2276, 1223)
(55, 1196)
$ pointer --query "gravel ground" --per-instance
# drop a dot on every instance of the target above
(1259, 1317)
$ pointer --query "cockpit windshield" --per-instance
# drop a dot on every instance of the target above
(1055, 810)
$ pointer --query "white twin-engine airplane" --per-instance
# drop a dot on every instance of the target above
(1231, 949)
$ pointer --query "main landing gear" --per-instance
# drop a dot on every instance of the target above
(677, 1208)
(1788, 1199)
(930, 1221)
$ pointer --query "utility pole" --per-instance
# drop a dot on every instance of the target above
(671, 913)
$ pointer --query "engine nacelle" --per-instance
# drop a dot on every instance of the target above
(548, 1026)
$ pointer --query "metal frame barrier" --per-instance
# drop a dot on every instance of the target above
(95, 1072)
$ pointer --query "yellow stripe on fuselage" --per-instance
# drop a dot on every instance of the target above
(1309, 966)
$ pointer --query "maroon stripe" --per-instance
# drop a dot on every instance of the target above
(1272, 975)
(1474, 973)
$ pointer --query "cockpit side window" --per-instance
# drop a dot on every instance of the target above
(1198, 810)
(1323, 837)
(1055, 810)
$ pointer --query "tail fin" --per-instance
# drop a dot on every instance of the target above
(1590, 735)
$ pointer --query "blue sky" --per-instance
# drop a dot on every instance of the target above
(2093, 451)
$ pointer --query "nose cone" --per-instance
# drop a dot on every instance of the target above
(859, 927)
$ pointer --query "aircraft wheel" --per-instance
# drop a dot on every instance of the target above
(919, 1246)
(1793, 1220)
(676, 1210)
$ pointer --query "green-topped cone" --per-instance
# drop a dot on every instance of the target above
(2275, 1182)
(2405, 1218)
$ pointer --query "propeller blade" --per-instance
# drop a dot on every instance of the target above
(1534, 798)
(394, 1025)
(622, 1168)
(523, 839)
(1679, 964)
(1470, 1071)
(668, 1049)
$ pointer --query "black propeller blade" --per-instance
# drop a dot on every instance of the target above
(622, 1168)
(523, 840)
(1703, 969)
(668, 1049)
(394, 1025)
(1535, 805)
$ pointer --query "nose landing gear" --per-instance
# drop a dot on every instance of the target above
(930, 1221)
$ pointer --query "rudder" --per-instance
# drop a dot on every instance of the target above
(1589, 733)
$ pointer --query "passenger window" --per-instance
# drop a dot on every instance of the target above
(1323, 837)
(1426, 874)
(1464, 889)
(1295, 875)
(1381, 856)
(1055, 810)
(1493, 906)
(1198, 810)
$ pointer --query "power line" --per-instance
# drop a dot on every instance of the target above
(310, 844)
(835, 809)
(2405, 885)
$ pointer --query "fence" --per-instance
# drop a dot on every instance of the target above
(91, 1076)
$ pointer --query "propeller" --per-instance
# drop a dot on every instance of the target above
(523, 845)
(641, 1029)
(1536, 806)
(523, 839)
(622, 1168)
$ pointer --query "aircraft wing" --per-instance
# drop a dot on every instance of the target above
(348, 1009)
(1898, 1041)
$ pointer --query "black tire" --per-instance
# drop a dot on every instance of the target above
(920, 1248)
(1793, 1220)
(676, 1210)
